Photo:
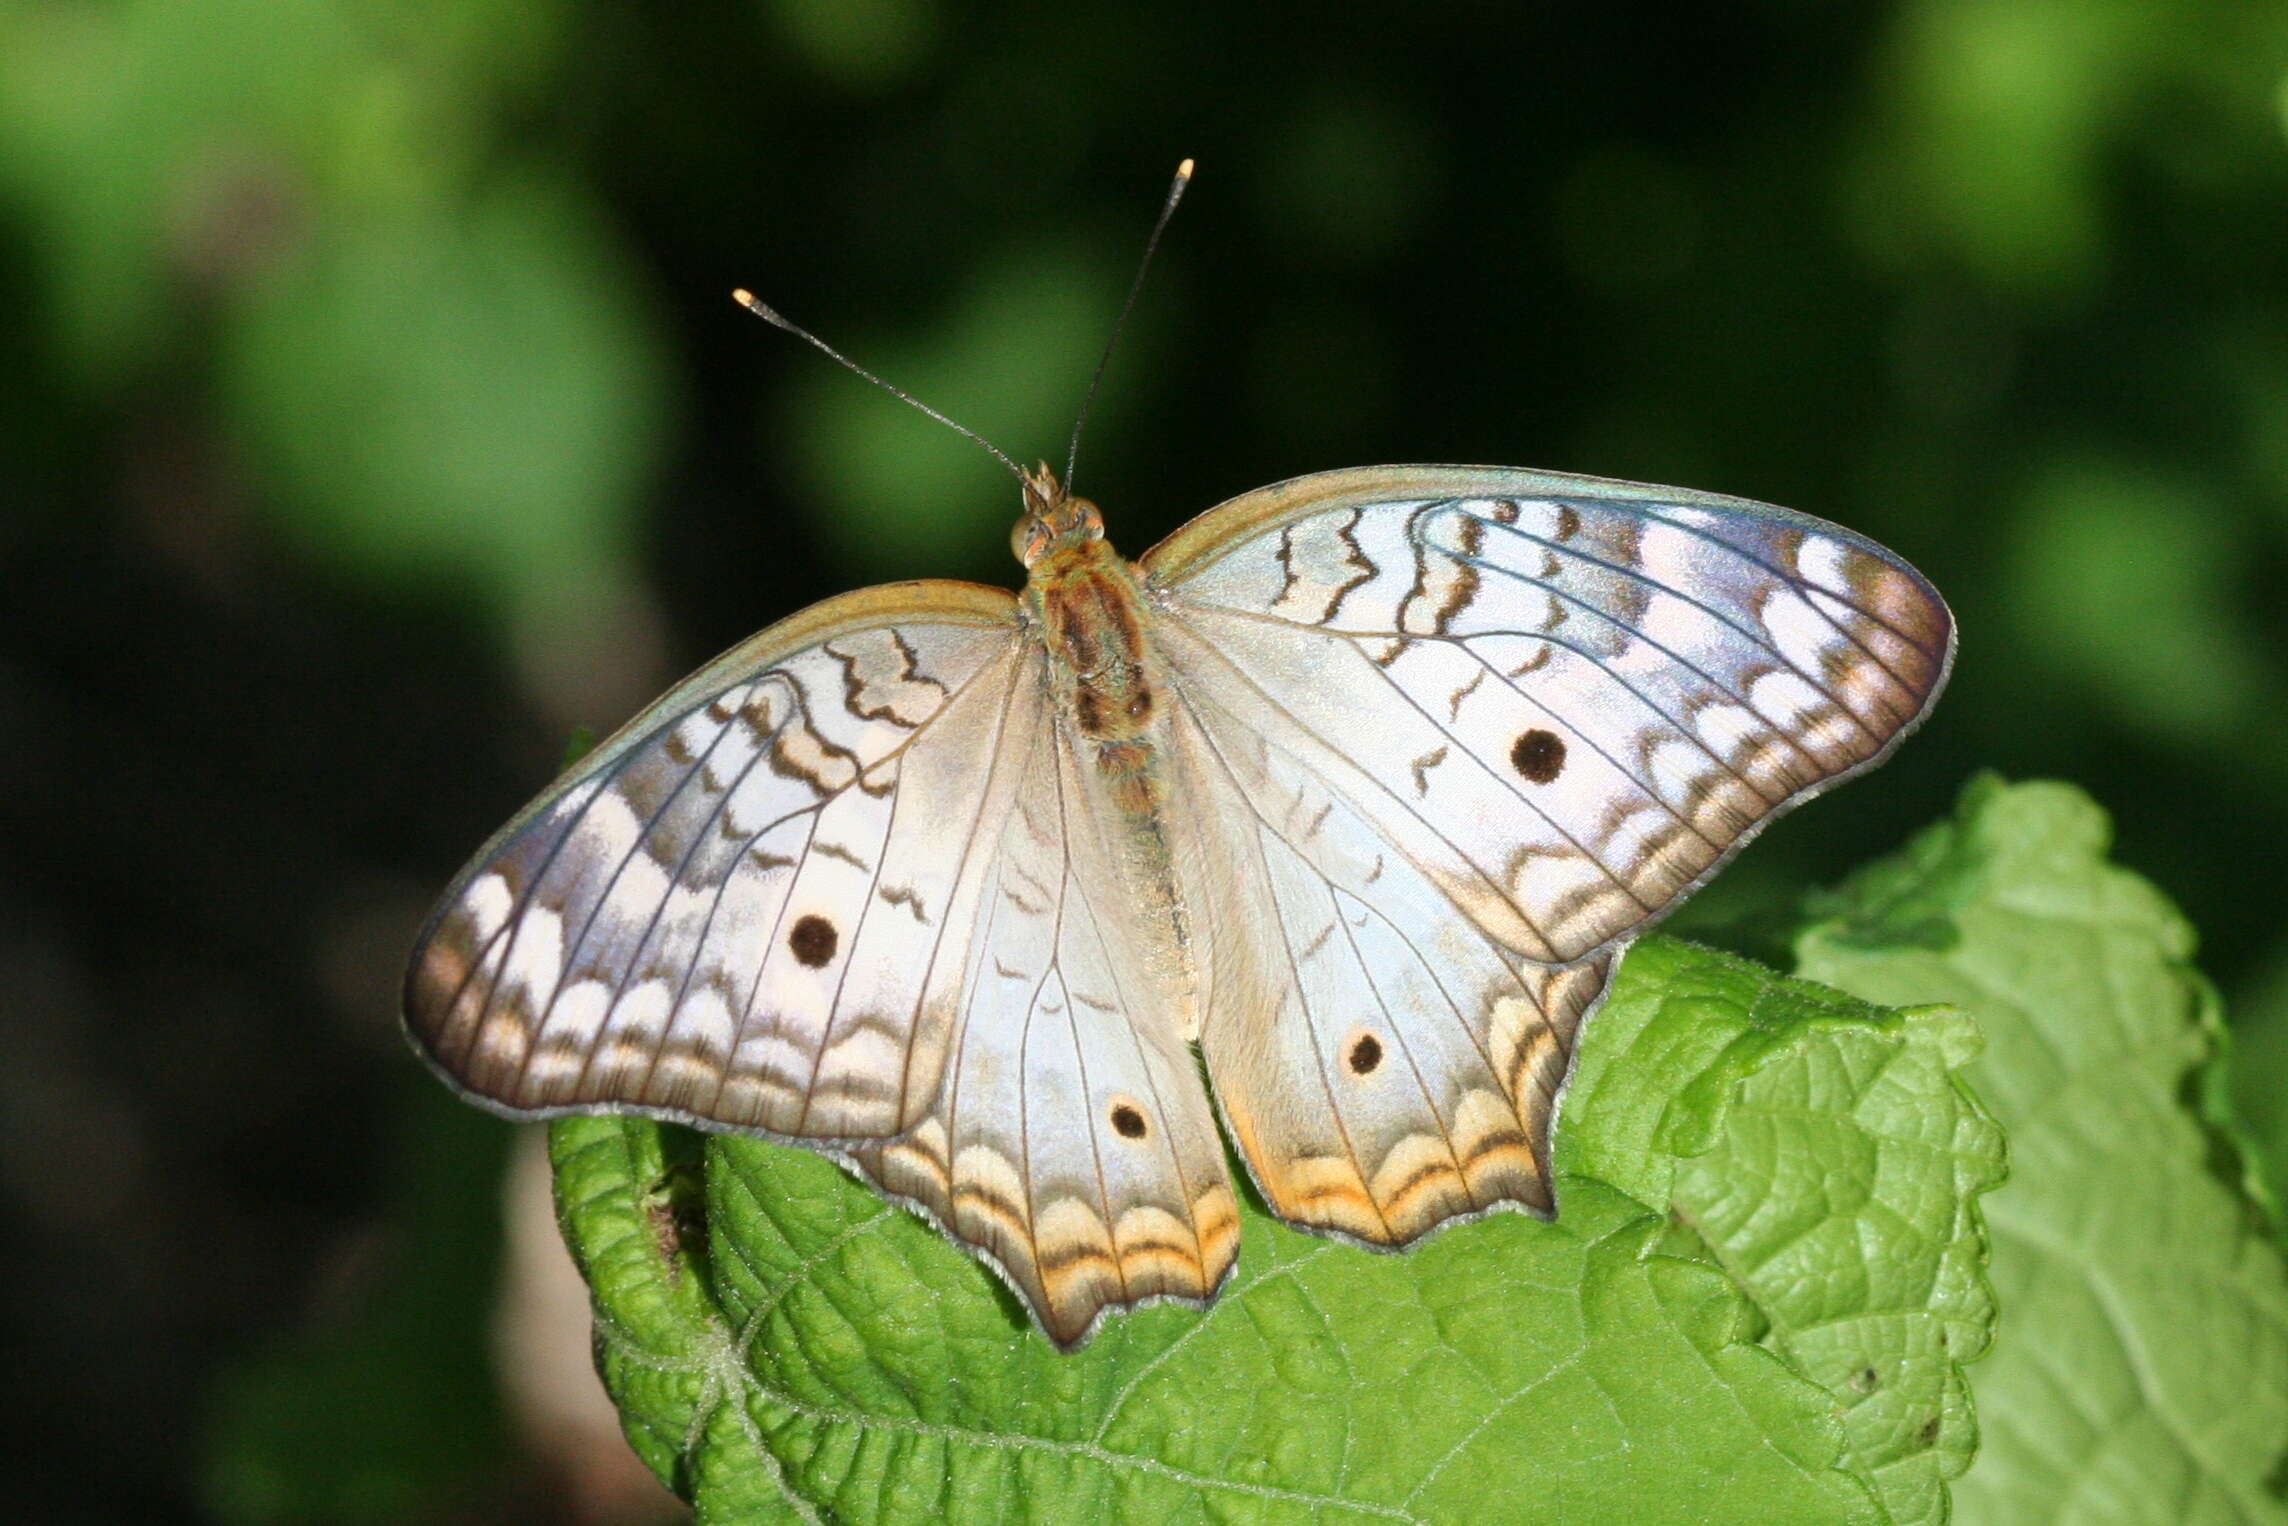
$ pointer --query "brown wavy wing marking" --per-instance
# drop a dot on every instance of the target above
(1583, 696)
(751, 908)
(1071, 1143)
(1383, 1065)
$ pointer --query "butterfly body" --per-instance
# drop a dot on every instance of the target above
(1102, 683)
(1359, 783)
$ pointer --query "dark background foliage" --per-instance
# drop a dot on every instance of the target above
(374, 415)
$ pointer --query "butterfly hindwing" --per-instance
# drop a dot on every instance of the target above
(1384, 1065)
(751, 906)
(1071, 1141)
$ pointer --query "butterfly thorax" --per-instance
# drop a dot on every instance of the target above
(1090, 616)
(1083, 601)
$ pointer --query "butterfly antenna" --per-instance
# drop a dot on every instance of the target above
(1167, 210)
(776, 319)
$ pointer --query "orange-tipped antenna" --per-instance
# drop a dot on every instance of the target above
(776, 319)
(1167, 210)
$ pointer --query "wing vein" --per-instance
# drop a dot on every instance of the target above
(1763, 641)
(1166, 1115)
(515, 918)
(1582, 652)
(1651, 791)
(1076, 890)
(1429, 966)
(1318, 1050)
(1398, 1033)
(1635, 634)
(707, 926)
(1294, 973)
(573, 950)
(1644, 510)
(814, 810)
(1500, 891)
(945, 917)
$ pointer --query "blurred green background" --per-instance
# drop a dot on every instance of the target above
(373, 414)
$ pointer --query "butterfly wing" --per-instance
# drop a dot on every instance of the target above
(1499, 721)
(1384, 1065)
(832, 890)
(753, 905)
(1072, 1140)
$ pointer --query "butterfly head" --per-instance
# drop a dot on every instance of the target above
(1054, 519)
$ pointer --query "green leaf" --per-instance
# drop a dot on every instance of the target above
(2143, 1373)
(1827, 1160)
(789, 1348)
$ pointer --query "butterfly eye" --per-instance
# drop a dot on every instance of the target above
(1027, 538)
(813, 940)
(1539, 755)
(1127, 1121)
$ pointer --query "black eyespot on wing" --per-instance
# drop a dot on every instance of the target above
(813, 940)
(1366, 1054)
(1539, 755)
(1128, 1121)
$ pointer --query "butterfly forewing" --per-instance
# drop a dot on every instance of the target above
(1581, 695)
(752, 906)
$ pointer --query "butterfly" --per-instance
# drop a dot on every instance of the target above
(1357, 785)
